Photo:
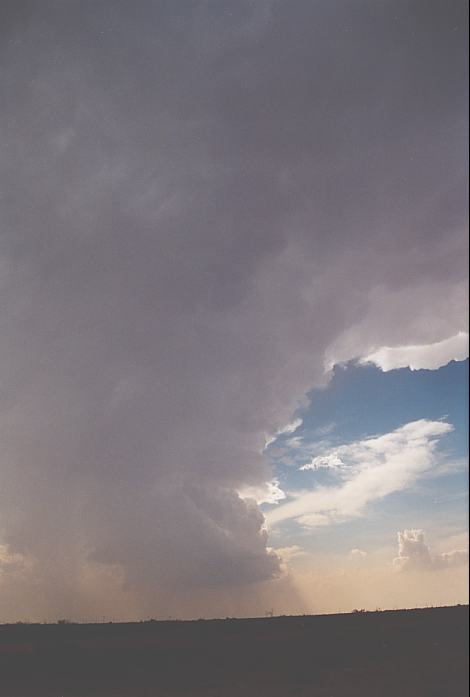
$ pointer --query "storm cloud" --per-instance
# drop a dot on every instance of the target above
(201, 204)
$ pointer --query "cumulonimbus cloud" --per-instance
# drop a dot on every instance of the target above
(198, 207)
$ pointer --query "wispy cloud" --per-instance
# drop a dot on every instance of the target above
(370, 469)
(286, 430)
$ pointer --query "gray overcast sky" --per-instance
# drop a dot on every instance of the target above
(198, 201)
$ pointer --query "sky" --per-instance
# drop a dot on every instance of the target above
(233, 307)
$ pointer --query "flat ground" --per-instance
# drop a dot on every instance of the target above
(414, 653)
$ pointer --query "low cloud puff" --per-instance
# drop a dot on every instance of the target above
(415, 555)
(328, 461)
(357, 553)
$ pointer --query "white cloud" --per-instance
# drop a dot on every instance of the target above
(289, 428)
(415, 555)
(269, 492)
(373, 468)
(295, 442)
(357, 553)
(424, 356)
(329, 461)
(287, 554)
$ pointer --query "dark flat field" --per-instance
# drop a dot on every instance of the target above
(414, 653)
